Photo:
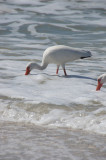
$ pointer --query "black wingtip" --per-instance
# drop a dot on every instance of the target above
(90, 55)
(83, 57)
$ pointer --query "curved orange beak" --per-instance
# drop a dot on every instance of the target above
(27, 71)
(99, 85)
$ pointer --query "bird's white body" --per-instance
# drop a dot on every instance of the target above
(61, 54)
(58, 55)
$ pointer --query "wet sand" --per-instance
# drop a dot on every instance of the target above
(24, 142)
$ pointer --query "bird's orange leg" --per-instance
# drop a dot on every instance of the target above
(63, 66)
(57, 69)
(65, 72)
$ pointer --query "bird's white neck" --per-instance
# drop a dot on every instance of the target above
(37, 66)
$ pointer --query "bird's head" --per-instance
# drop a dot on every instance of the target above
(29, 67)
(101, 80)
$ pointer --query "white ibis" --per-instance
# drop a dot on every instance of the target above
(58, 55)
(101, 81)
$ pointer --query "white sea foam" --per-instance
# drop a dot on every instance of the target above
(47, 88)
(42, 98)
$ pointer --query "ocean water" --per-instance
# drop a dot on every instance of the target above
(44, 116)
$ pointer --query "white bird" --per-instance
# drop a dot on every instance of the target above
(101, 80)
(58, 55)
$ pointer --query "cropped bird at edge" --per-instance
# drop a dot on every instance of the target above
(101, 80)
(58, 55)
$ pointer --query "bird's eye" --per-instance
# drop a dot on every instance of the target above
(99, 80)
